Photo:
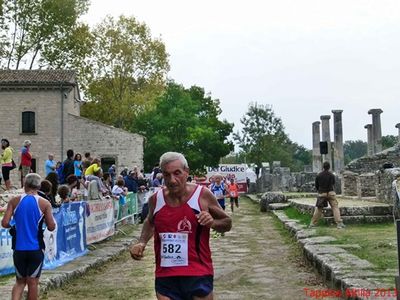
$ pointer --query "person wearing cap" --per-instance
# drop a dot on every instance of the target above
(6, 161)
(131, 181)
(26, 160)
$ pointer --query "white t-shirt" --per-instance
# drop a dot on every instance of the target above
(117, 191)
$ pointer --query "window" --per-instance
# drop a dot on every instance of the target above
(28, 122)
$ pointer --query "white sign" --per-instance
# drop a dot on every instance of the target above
(100, 222)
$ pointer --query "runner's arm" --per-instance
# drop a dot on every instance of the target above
(5, 222)
(48, 214)
(215, 217)
(147, 232)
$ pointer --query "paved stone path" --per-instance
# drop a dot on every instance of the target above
(253, 261)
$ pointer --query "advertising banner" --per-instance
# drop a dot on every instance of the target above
(6, 253)
(64, 244)
(68, 240)
(228, 171)
(100, 220)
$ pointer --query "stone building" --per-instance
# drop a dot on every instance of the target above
(44, 106)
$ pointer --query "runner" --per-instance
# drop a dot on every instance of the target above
(180, 218)
(28, 212)
(218, 189)
(233, 193)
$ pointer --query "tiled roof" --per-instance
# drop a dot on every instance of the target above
(37, 77)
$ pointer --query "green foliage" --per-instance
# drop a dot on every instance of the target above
(353, 150)
(186, 121)
(389, 141)
(263, 139)
(126, 72)
(31, 30)
(234, 158)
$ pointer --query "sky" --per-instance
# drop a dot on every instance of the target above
(304, 58)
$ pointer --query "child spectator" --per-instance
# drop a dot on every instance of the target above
(63, 194)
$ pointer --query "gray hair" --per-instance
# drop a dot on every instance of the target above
(32, 181)
(168, 157)
(27, 143)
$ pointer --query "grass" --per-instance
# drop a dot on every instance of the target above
(377, 242)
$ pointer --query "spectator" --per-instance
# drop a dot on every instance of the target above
(53, 178)
(63, 194)
(119, 189)
(156, 170)
(7, 162)
(45, 190)
(87, 161)
(78, 165)
(74, 187)
(50, 164)
(157, 182)
(124, 172)
(94, 172)
(67, 166)
(112, 173)
(131, 182)
(26, 160)
(107, 182)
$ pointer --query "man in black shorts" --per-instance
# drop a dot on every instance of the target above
(28, 212)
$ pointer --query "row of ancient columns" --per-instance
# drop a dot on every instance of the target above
(338, 155)
(374, 134)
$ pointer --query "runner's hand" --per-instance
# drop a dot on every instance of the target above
(137, 251)
(205, 219)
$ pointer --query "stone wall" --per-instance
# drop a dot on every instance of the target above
(366, 185)
(373, 163)
(60, 129)
(384, 180)
(349, 183)
(105, 141)
(47, 107)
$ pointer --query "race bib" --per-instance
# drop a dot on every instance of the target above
(174, 249)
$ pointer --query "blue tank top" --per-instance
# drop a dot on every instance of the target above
(28, 224)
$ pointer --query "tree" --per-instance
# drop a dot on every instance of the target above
(353, 150)
(262, 136)
(32, 29)
(186, 121)
(389, 141)
(126, 72)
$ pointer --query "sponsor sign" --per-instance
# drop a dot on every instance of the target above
(100, 220)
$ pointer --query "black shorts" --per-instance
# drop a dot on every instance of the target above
(28, 263)
(5, 171)
(185, 287)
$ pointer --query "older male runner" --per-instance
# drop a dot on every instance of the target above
(28, 212)
(180, 218)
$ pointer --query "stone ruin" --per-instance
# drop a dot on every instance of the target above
(369, 177)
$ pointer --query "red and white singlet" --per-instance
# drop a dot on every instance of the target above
(181, 244)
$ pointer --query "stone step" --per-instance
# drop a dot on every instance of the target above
(278, 206)
(375, 210)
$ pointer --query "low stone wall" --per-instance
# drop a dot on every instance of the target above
(373, 163)
(384, 182)
(366, 185)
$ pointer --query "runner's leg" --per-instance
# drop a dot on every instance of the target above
(18, 289)
(32, 288)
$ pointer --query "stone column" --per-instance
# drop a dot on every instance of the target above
(338, 154)
(376, 128)
(370, 147)
(316, 155)
(326, 137)
(398, 127)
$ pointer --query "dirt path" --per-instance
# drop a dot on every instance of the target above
(253, 261)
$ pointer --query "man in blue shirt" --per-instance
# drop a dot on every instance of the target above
(50, 165)
(28, 212)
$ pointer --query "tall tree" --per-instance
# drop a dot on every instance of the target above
(389, 141)
(185, 120)
(263, 137)
(126, 73)
(353, 150)
(29, 29)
